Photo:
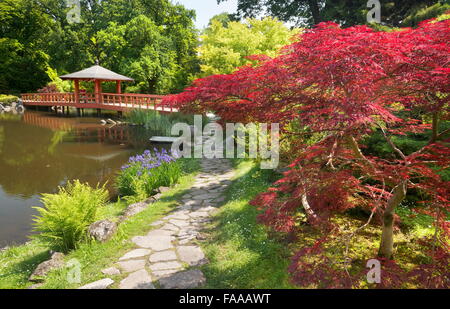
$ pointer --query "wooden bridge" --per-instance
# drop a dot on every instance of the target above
(107, 101)
(81, 99)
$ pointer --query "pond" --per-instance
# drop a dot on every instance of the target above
(40, 151)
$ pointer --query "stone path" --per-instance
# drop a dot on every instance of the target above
(169, 256)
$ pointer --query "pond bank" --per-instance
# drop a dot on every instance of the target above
(17, 263)
(40, 151)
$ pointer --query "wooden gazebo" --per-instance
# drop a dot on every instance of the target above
(96, 74)
(98, 100)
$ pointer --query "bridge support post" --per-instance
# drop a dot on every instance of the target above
(79, 112)
(99, 112)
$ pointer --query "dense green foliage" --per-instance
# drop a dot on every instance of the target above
(7, 99)
(151, 41)
(348, 13)
(66, 216)
(224, 48)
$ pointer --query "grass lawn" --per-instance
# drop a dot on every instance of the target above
(17, 263)
(240, 251)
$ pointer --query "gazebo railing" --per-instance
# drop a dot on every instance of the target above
(114, 101)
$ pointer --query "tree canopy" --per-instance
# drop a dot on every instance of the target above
(337, 87)
(152, 41)
(394, 13)
(225, 45)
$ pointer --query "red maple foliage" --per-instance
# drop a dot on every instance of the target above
(345, 84)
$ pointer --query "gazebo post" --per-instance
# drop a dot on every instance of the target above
(118, 87)
(97, 90)
(76, 84)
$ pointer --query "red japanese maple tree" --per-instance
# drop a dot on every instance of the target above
(346, 84)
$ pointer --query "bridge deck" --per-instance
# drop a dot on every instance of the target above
(106, 101)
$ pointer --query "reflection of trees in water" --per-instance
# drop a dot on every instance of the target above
(35, 160)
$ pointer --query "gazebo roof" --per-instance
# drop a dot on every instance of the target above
(96, 72)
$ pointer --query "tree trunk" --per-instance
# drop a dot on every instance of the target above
(387, 237)
(312, 217)
(315, 12)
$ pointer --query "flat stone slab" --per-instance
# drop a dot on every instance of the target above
(170, 227)
(179, 223)
(112, 271)
(163, 256)
(137, 280)
(160, 232)
(157, 243)
(158, 274)
(137, 253)
(97, 285)
(157, 223)
(166, 265)
(132, 265)
(183, 280)
(193, 255)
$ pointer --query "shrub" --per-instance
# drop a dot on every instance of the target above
(66, 215)
(6, 99)
(145, 173)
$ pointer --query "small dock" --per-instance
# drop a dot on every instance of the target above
(163, 139)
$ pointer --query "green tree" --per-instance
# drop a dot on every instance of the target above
(348, 13)
(139, 50)
(224, 48)
(23, 65)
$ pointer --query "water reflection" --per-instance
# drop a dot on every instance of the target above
(40, 151)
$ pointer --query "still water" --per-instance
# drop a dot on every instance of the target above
(40, 151)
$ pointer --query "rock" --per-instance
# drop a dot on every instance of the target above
(166, 265)
(158, 274)
(132, 265)
(183, 280)
(157, 196)
(179, 223)
(157, 243)
(56, 262)
(137, 280)
(192, 255)
(97, 285)
(170, 227)
(35, 286)
(137, 253)
(102, 230)
(157, 223)
(112, 271)
(163, 189)
(134, 209)
(163, 256)
(160, 232)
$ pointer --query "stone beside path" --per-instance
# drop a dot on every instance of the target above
(169, 255)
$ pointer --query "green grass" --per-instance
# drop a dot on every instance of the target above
(240, 251)
(17, 263)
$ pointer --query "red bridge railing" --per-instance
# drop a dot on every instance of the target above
(110, 101)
